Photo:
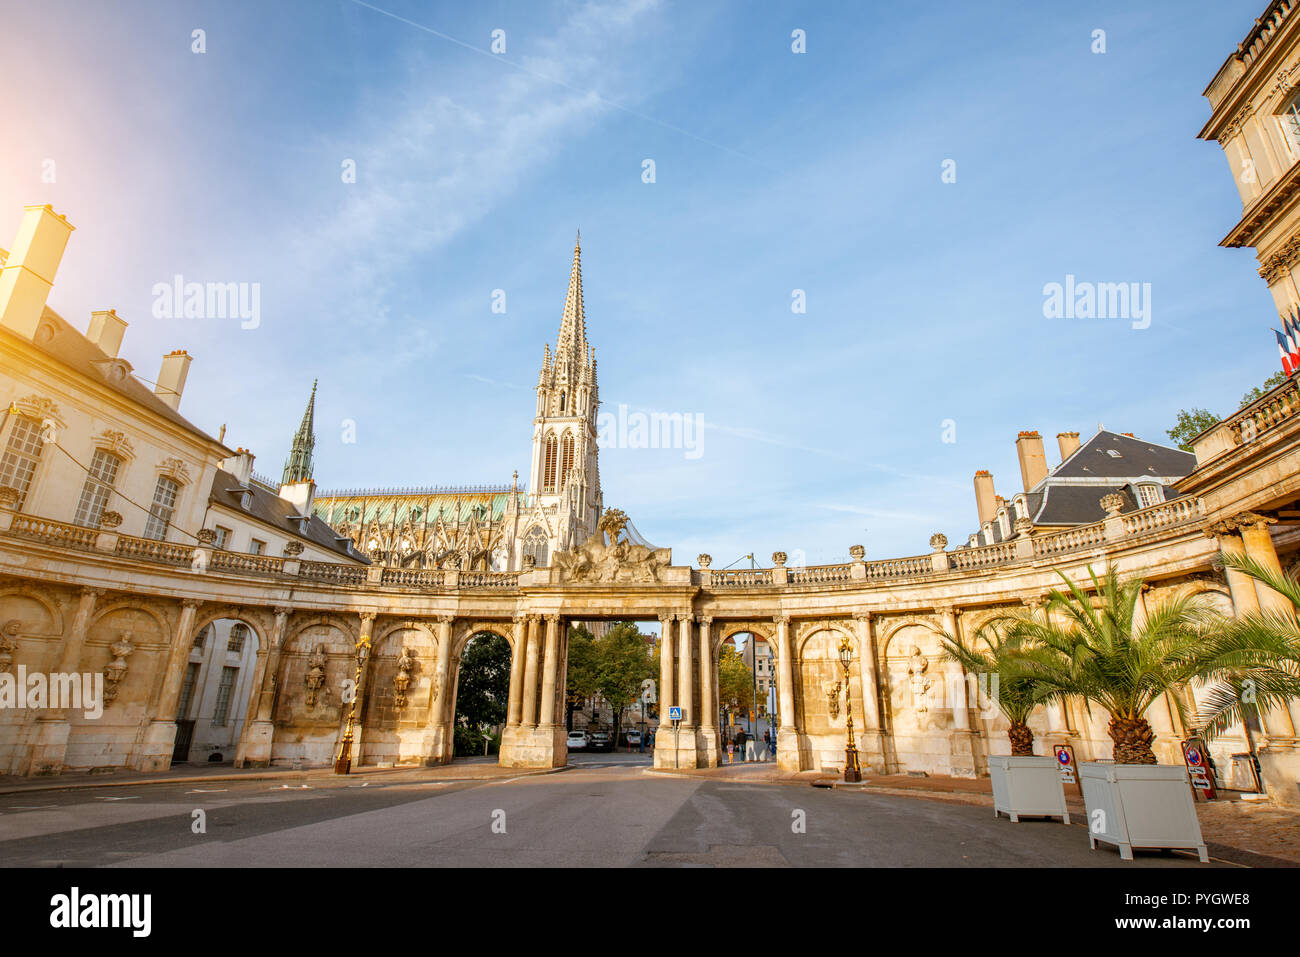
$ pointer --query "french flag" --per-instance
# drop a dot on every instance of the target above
(1291, 337)
(1288, 366)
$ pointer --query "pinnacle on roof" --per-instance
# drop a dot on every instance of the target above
(298, 467)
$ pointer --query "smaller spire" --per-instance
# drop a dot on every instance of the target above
(298, 467)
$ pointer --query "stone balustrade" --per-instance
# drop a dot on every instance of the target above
(153, 550)
(413, 577)
(1045, 547)
(739, 578)
(53, 533)
(821, 575)
(248, 562)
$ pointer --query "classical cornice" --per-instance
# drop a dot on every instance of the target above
(1263, 210)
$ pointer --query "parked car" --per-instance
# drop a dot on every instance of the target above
(577, 741)
(602, 741)
(633, 738)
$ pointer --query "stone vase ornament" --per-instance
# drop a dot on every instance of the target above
(1028, 786)
(1141, 805)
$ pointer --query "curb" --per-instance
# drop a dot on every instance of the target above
(295, 777)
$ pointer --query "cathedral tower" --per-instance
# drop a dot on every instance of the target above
(564, 481)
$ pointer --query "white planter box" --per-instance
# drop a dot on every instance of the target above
(1140, 805)
(1027, 785)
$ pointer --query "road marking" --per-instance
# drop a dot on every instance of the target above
(207, 791)
(32, 807)
(290, 787)
(134, 797)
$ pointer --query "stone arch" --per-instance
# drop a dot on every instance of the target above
(911, 692)
(394, 719)
(12, 601)
(723, 630)
(463, 631)
(218, 697)
(820, 715)
(308, 733)
(259, 620)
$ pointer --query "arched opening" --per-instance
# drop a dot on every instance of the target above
(216, 690)
(608, 666)
(746, 694)
(566, 459)
(549, 463)
(482, 695)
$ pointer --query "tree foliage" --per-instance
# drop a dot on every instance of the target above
(735, 680)
(582, 678)
(484, 688)
(1192, 422)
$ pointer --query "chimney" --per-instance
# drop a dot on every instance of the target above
(171, 377)
(985, 497)
(29, 271)
(240, 465)
(1068, 442)
(301, 494)
(1033, 461)
(106, 330)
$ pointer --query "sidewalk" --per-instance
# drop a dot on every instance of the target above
(464, 769)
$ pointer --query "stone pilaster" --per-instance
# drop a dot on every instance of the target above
(871, 742)
(788, 756)
(964, 751)
(155, 752)
(50, 735)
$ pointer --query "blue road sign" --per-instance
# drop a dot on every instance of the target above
(674, 713)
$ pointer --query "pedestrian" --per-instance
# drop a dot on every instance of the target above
(740, 744)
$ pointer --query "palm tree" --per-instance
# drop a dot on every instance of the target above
(1101, 655)
(1251, 663)
(996, 652)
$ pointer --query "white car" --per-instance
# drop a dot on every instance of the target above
(577, 741)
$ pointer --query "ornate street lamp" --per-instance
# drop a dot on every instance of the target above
(344, 763)
(852, 770)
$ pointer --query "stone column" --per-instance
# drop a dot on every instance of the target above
(707, 736)
(964, 760)
(788, 756)
(872, 740)
(686, 673)
(155, 752)
(667, 651)
(550, 673)
(439, 739)
(514, 713)
(50, 735)
(1279, 759)
(529, 719)
(1247, 599)
(255, 743)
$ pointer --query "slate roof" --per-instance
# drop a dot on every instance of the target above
(71, 348)
(267, 507)
(1136, 458)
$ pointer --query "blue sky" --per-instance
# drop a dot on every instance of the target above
(775, 171)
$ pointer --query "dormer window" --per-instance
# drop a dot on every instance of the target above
(1149, 495)
(246, 501)
(1113, 454)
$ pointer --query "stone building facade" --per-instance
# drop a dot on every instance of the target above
(332, 636)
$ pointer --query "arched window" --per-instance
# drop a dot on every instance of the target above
(566, 460)
(535, 545)
(548, 464)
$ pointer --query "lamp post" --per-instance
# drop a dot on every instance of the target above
(852, 771)
(344, 763)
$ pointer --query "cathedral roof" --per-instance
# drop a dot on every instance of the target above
(398, 506)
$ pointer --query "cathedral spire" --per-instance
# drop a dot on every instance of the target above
(572, 344)
(298, 467)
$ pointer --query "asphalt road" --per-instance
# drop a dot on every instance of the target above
(606, 810)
